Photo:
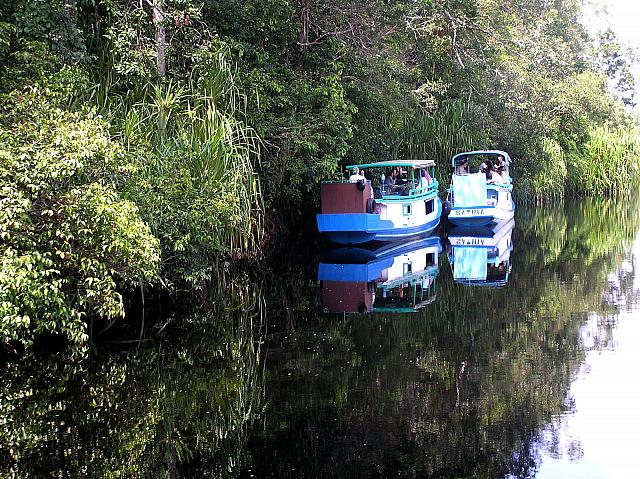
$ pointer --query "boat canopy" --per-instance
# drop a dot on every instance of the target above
(415, 164)
(461, 157)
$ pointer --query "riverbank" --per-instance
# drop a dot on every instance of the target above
(142, 143)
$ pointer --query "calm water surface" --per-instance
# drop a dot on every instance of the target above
(597, 435)
(470, 356)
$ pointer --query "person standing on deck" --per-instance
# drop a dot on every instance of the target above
(425, 179)
(356, 175)
(501, 168)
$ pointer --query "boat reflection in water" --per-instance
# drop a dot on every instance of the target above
(481, 255)
(389, 277)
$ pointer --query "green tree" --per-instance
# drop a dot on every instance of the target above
(68, 239)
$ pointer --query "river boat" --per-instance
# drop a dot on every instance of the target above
(478, 198)
(391, 277)
(481, 255)
(370, 209)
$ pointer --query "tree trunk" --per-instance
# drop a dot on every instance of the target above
(72, 38)
(161, 46)
(303, 38)
(71, 10)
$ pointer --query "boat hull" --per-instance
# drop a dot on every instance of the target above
(480, 216)
(357, 228)
(485, 236)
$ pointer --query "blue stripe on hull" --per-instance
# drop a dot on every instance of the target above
(356, 237)
(398, 233)
(350, 237)
(354, 228)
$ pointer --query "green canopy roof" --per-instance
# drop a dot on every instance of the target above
(405, 163)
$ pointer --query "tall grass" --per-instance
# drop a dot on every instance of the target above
(437, 137)
(543, 179)
(189, 132)
(193, 157)
(607, 163)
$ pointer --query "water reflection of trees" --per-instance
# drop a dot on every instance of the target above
(462, 389)
(178, 405)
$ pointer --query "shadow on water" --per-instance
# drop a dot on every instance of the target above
(257, 380)
(178, 405)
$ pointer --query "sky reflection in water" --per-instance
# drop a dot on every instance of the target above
(600, 436)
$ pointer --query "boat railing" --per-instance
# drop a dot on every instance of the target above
(493, 185)
(396, 192)
(430, 271)
(329, 182)
(399, 192)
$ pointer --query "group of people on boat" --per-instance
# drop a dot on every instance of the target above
(394, 182)
(495, 172)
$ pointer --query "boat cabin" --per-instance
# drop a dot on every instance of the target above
(483, 161)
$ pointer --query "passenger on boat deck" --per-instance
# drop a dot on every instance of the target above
(491, 173)
(463, 168)
(390, 179)
(399, 180)
(487, 169)
(356, 175)
(425, 179)
(501, 167)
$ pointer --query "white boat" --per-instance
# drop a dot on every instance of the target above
(371, 208)
(389, 277)
(480, 195)
(481, 255)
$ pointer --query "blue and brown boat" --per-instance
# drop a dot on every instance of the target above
(374, 208)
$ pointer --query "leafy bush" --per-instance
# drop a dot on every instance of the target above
(66, 238)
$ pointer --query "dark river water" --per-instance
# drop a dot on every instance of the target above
(505, 354)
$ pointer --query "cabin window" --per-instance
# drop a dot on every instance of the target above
(431, 259)
(406, 268)
(428, 207)
(406, 210)
(492, 197)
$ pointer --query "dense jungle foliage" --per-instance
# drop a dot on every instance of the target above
(141, 139)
